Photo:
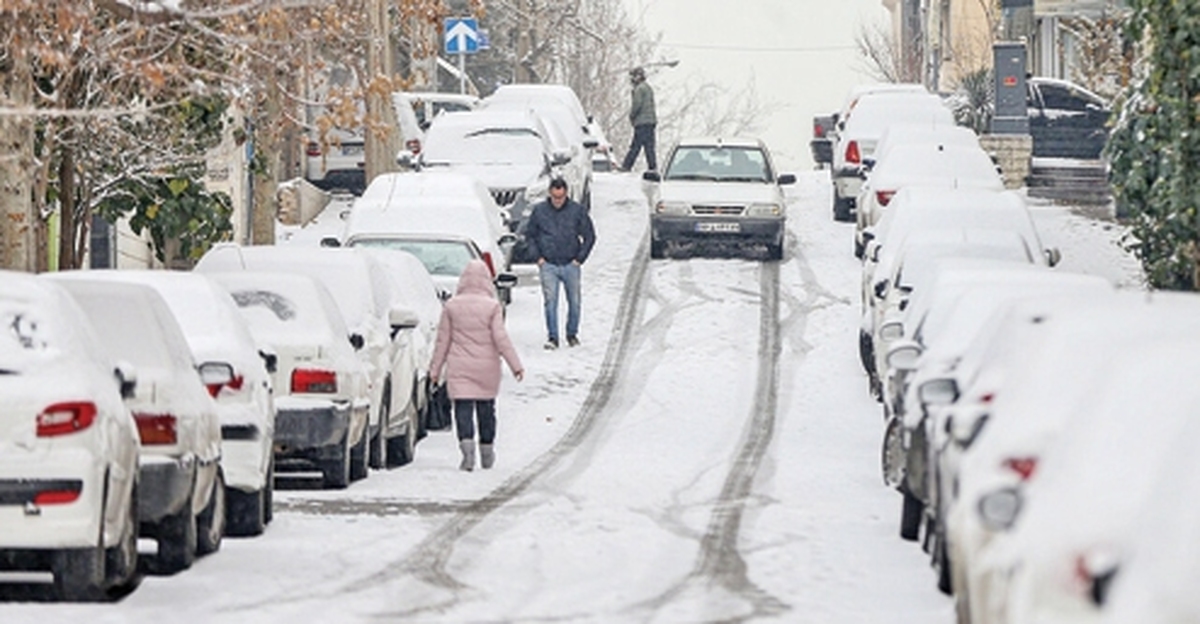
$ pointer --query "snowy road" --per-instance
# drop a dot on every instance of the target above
(709, 453)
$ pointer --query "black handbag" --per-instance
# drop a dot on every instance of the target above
(440, 408)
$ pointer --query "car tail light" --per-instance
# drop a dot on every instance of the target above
(1023, 466)
(818, 130)
(235, 384)
(313, 149)
(56, 497)
(487, 259)
(413, 145)
(313, 381)
(156, 429)
(63, 418)
(852, 153)
(884, 197)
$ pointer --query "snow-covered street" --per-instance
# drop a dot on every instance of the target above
(709, 453)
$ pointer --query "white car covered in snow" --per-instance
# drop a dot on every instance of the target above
(718, 192)
(322, 390)
(363, 293)
(68, 445)
(181, 490)
(223, 349)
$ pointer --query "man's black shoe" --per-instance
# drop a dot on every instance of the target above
(551, 344)
(572, 341)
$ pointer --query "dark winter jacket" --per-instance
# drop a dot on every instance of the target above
(641, 112)
(560, 235)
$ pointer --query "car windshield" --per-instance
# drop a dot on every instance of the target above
(720, 164)
(482, 146)
(24, 337)
(439, 257)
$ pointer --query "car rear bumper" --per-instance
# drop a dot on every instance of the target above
(847, 182)
(28, 525)
(301, 427)
(693, 229)
(165, 485)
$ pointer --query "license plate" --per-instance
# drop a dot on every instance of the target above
(719, 227)
(352, 150)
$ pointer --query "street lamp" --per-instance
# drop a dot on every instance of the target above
(671, 63)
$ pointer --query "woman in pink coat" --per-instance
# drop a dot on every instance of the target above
(470, 342)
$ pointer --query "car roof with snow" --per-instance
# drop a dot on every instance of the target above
(906, 133)
(873, 114)
(935, 164)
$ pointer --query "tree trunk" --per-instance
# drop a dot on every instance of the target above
(18, 221)
(380, 139)
(67, 201)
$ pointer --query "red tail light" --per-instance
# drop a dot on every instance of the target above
(487, 259)
(156, 428)
(1023, 466)
(311, 381)
(235, 385)
(55, 497)
(313, 149)
(884, 197)
(63, 418)
(852, 153)
(413, 145)
(818, 130)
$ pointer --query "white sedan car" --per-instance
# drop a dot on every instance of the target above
(717, 191)
(181, 490)
(223, 348)
(322, 388)
(68, 445)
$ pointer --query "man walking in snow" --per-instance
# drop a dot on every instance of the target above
(560, 234)
(644, 120)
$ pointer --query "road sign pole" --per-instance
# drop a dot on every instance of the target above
(462, 72)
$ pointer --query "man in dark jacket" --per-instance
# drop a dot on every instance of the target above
(560, 235)
(644, 120)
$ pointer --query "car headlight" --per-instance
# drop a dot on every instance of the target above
(999, 509)
(673, 208)
(765, 210)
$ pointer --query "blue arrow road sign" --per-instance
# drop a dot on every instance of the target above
(462, 36)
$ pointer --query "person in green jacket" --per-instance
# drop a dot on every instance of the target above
(641, 115)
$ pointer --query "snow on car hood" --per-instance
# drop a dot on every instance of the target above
(703, 192)
(499, 175)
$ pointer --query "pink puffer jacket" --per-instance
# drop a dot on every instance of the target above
(471, 338)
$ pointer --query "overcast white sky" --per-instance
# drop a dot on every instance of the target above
(801, 53)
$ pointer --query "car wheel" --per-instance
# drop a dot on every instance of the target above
(657, 249)
(941, 562)
(335, 472)
(79, 574)
(358, 456)
(893, 456)
(269, 494)
(910, 517)
(210, 525)
(247, 512)
(866, 352)
(422, 412)
(176, 536)
(121, 560)
(859, 249)
(404, 448)
(378, 449)
(841, 209)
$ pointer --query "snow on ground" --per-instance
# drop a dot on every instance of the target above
(651, 475)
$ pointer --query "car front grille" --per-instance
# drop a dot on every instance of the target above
(719, 210)
(506, 197)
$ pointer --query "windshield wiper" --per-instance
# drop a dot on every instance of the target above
(692, 176)
(742, 179)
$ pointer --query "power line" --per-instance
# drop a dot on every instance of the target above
(688, 46)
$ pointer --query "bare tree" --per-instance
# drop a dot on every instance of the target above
(880, 53)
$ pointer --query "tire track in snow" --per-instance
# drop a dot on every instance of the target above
(720, 565)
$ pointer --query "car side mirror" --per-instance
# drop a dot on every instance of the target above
(406, 159)
(560, 158)
(126, 376)
(270, 359)
(357, 341)
(506, 280)
(868, 235)
(1053, 256)
(402, 318)
(903, 355)
(881, 289)
(891, 330)
(868, 164)
(964, 428)
(591, 144)
(787, 178)
(652, 176)
(215, 373)
(941, 391)
(330, 241)
(507, 239)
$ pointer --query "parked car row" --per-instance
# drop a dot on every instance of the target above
(161, 404)
(1038, 423)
